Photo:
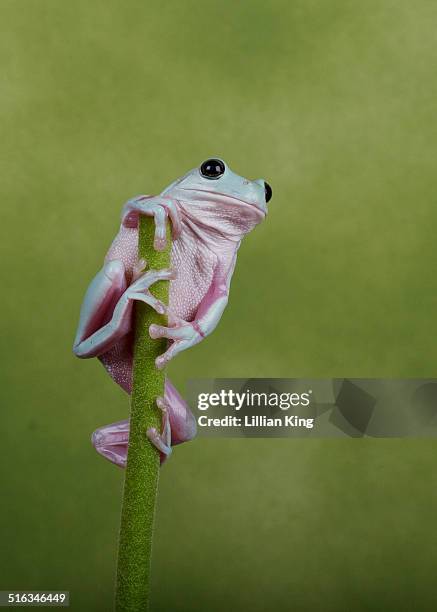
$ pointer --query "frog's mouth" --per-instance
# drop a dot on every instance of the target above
(207, 195)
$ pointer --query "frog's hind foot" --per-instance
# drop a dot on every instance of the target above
(162, 441)
(111, 442)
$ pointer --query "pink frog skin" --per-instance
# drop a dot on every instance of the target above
(210, 209)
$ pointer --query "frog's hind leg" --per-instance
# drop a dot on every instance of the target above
(96, 333)
(178, 425)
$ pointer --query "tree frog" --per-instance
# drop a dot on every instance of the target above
(210, 210)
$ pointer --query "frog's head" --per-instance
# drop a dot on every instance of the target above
(214, 180)
(214, 196)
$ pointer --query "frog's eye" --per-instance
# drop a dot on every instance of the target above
(212, 168)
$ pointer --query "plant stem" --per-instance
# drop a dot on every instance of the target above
(142, 470)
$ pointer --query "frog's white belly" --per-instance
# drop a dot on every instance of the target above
(195, 265)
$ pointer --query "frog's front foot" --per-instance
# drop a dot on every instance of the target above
(160, 208)
(162, 441)
(182, 333)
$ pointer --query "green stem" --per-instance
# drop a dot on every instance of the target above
(142, 470)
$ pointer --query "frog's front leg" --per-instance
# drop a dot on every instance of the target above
(106, 313)
(186, 334)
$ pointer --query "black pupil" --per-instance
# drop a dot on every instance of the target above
(212, 168)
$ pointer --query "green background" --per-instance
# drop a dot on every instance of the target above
(334, 102)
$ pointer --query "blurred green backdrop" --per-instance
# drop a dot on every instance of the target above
(334, 102)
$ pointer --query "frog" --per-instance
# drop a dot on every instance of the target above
(210, 209)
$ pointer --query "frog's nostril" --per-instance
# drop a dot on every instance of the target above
(268, 191)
